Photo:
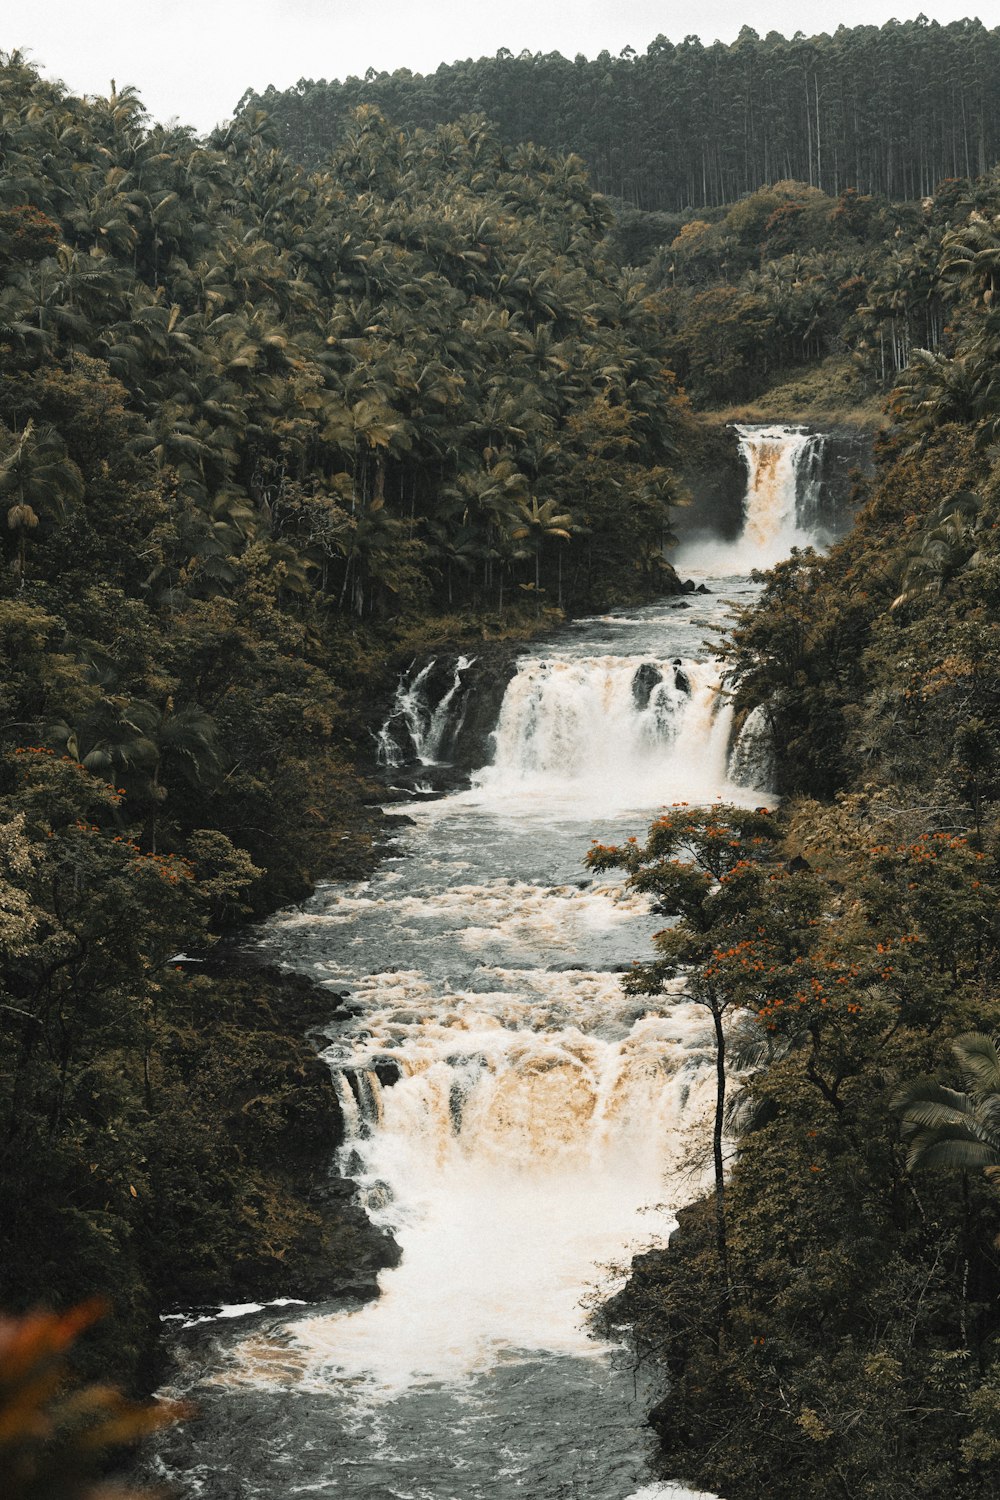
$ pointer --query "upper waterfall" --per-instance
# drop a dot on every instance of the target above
(781, 506)
(783, 502)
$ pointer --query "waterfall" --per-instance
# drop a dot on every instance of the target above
(784, 502)
(518, 1122)
(508, 1158)
(425, 721)
(611, 732)
(781, 488)
(753, 761)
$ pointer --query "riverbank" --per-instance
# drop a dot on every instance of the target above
(846, 1344)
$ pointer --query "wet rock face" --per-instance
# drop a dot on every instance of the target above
(488, 677)
(466, 710)
(387, 1071)
(645, 680)
(846, 452)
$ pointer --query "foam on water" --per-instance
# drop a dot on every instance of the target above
(572, 736)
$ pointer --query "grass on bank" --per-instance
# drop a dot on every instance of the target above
(826, 392)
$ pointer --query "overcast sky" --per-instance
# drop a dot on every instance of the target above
(193, 59)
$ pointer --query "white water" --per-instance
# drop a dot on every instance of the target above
(531, 1128)
(542, 1125)
(753, 758)
(571, 734)
(781, 508)
(426, 725)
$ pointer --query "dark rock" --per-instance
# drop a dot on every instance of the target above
(398, 820)
(473, 711)
(647, 677)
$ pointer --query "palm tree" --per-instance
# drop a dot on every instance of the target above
(956, 1128)
(945, 546)
(37, 475)
(538, 521)
(147, 749)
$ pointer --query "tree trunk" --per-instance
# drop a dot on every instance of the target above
(721, 1243)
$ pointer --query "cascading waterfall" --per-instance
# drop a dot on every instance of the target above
(508, 1158)
(508, 1112)
(611, 733)
(811, 513)
(783, 502)
(753, 761)
(420, 726)
(781, 489)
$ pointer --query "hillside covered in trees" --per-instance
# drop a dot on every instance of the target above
(814, 235)
(889, 110)
(279, 408)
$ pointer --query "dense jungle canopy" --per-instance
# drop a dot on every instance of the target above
(262, 426)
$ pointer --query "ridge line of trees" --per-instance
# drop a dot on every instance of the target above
(889, 110)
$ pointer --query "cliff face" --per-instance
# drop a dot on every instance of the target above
(846, 451)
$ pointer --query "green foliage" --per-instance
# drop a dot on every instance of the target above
(854, 1349)
(825, 199)
(947, 1128)
(739, 922)
(260, 425)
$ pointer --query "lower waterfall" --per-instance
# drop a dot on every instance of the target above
(518, 1123)
(509, 1160)
(608, 732)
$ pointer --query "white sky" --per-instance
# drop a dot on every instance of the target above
(193, 59)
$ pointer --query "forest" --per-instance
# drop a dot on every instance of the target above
(849, 1342)
(285, 406)
(889, 110)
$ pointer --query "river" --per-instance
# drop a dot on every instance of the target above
(518, 1123)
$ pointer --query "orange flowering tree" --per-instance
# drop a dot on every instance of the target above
(853, 1298)
(55, 1435)
(741, 920)
(906, 926)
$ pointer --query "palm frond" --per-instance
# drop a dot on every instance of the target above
(978, 1057)
(960, 1154)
